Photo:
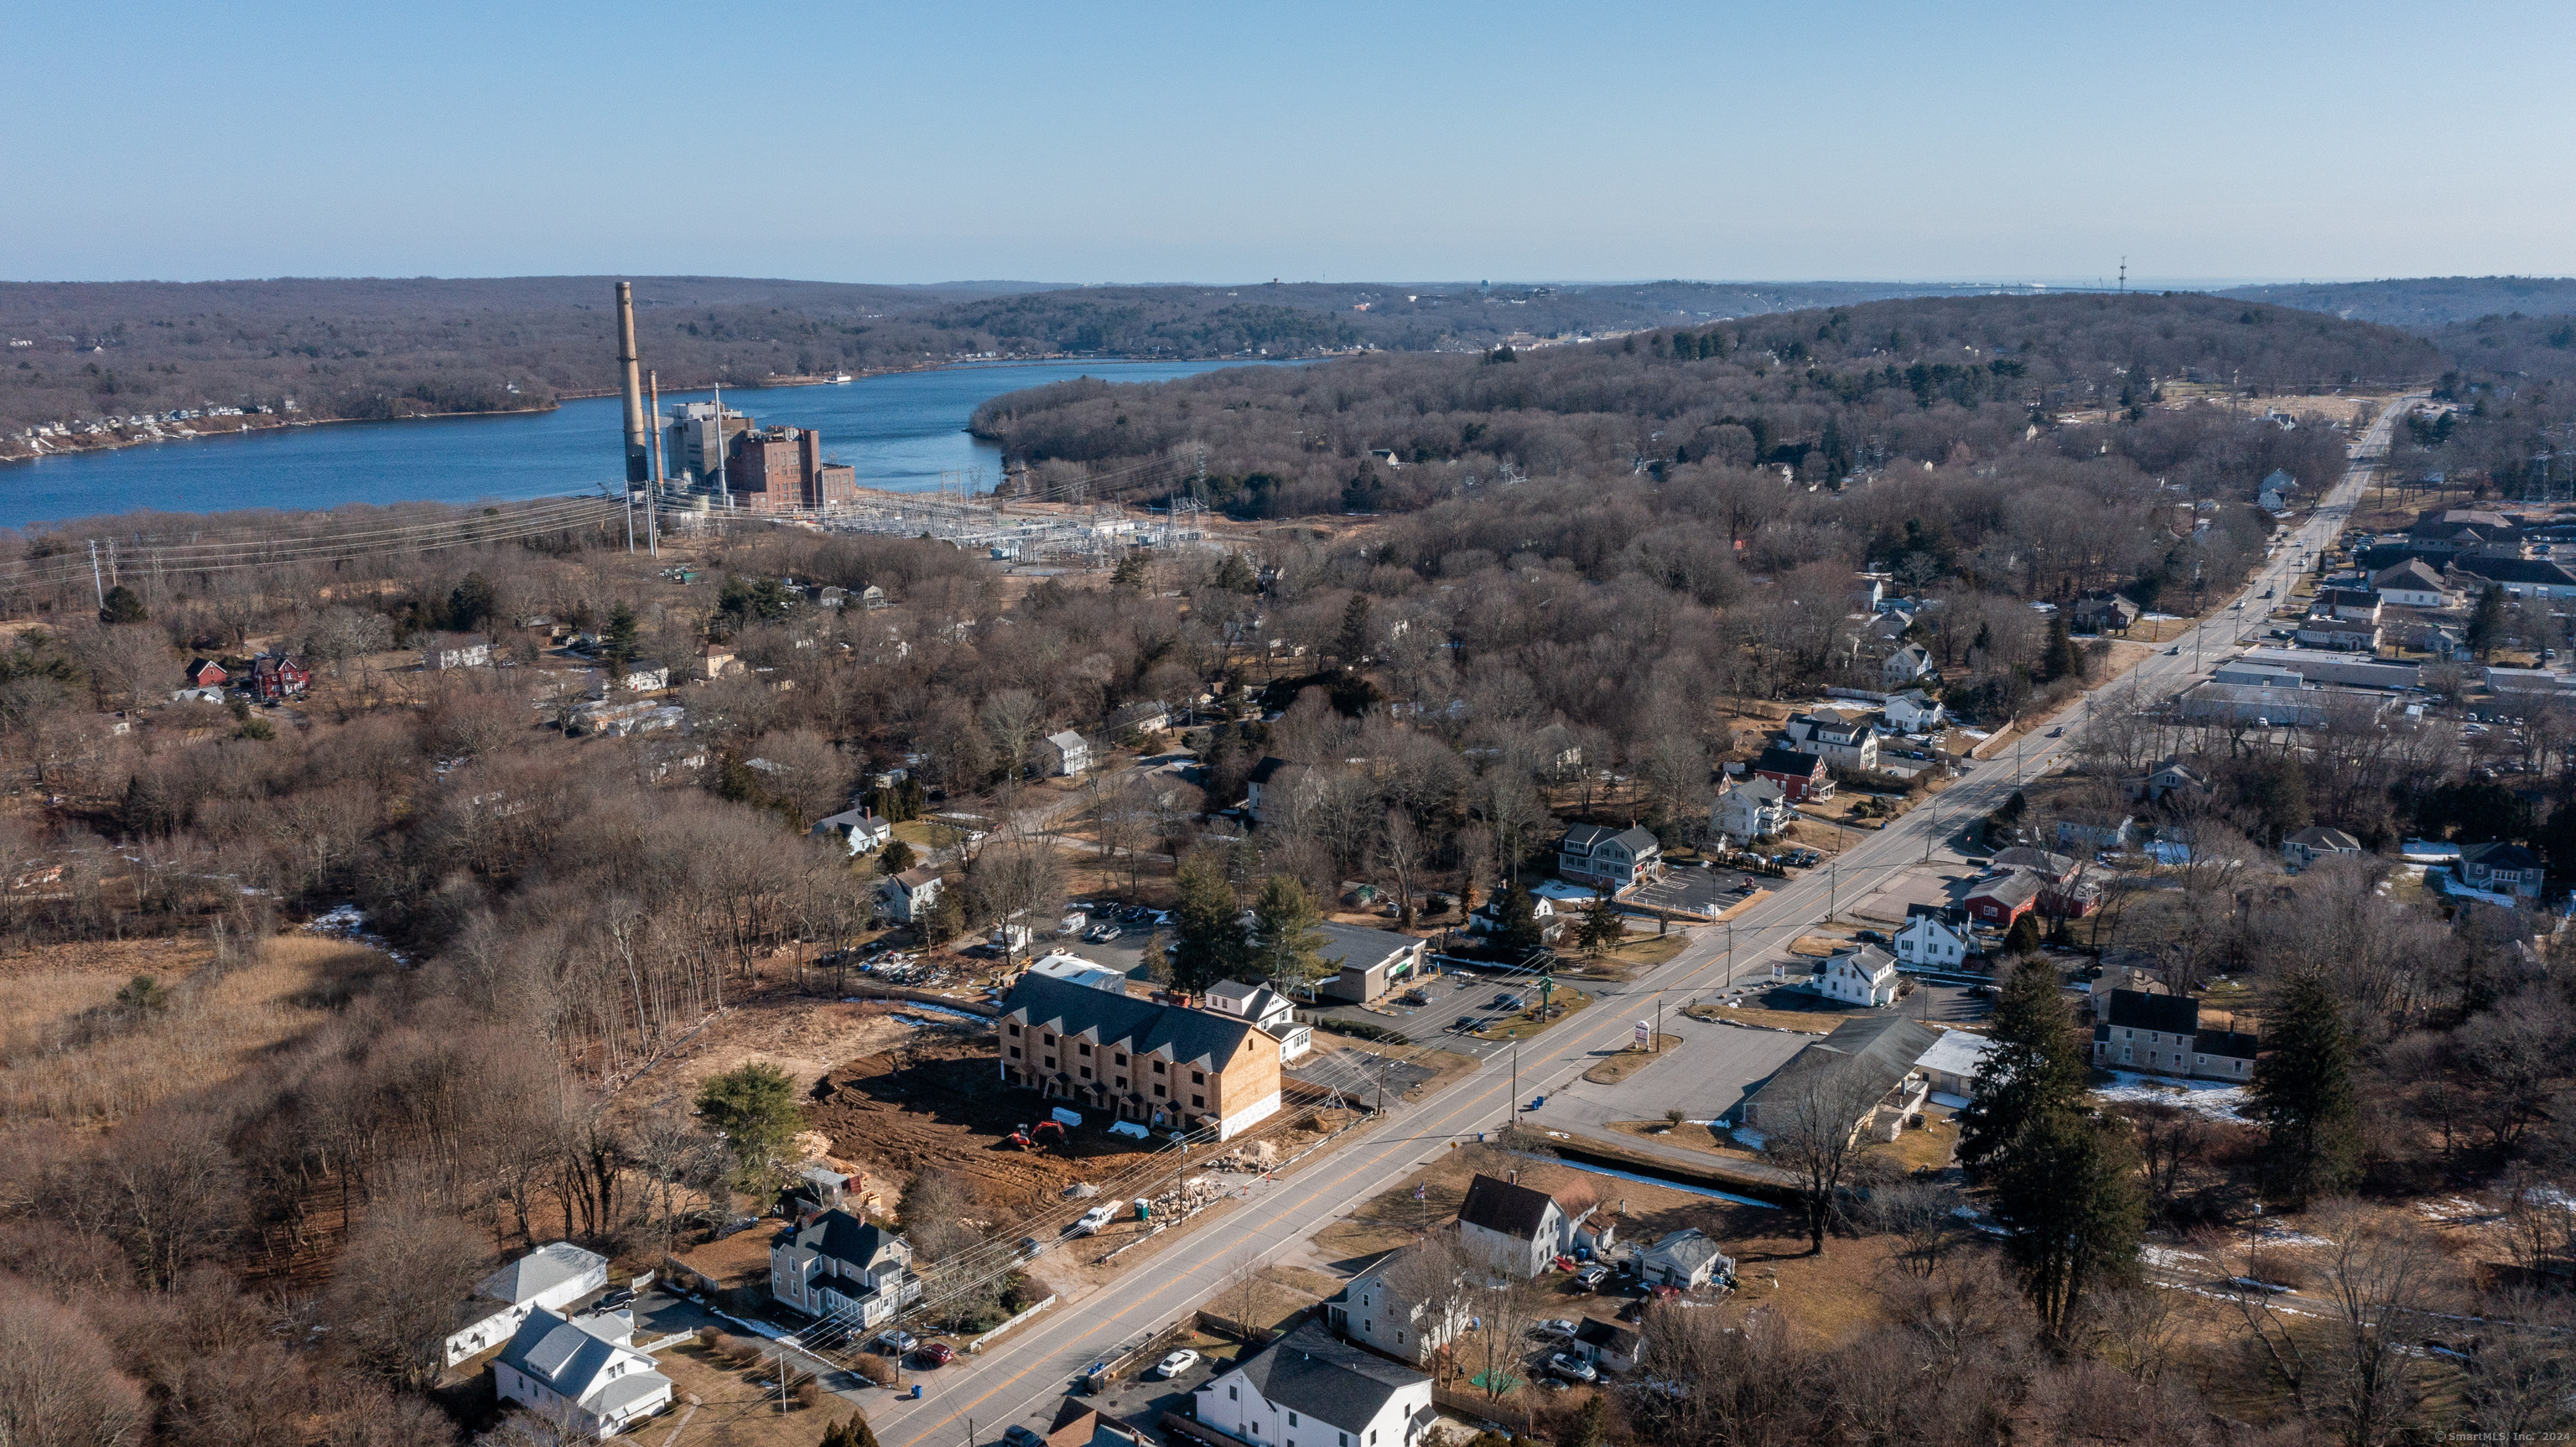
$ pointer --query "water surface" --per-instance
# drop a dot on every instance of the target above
(901, 432)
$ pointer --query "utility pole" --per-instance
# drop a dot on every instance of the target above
(96, 584)
(1833, 885)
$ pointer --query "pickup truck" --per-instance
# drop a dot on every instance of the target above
(1093, 1219)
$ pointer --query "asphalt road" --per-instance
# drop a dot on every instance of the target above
(1020, 1379)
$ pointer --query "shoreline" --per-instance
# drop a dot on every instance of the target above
(114, 442)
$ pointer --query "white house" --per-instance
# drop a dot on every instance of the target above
(1523, 1229)
(2411, 584)
(1862, 976)
(1684, 1258)
(1378, 1308)
(862, 829)
(455, 650)
(910, 896)
(586, 1369)
(1913, 711)
(1907, 664)
(1063, 755)
(548, 1278)
(1843, 742)
(1750, 807)
(1311, 1389)
(837, 1266)
(1267, 1008)
(1930, 942)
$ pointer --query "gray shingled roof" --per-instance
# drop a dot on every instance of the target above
(569, 1359)
(845, 1238)
(1311, 1371)
(1197, 1036)
(1350, 944)
(1882, 1048)
(2165, 1014)
(539, 1272)
(1502, 1206)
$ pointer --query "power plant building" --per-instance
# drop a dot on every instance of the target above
(697, 437)
(781, 469)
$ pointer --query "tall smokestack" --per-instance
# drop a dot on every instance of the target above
(639, 454)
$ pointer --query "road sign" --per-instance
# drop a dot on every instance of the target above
(1645, 1033)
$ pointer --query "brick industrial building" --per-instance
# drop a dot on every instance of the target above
(781, 469)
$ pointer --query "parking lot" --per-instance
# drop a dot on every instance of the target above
(1700, 891)
(1357, 1070)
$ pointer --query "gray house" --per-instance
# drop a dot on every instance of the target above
(1366, 962)
(837, 1266)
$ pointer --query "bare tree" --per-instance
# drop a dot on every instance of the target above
(1016, 881)
(1810, 1122)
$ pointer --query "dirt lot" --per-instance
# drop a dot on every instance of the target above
(935, 1101)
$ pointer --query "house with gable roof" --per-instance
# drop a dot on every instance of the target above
(1523, 1228)
(549, 1278)
(1311, 1389)
(838, 1267)
(1163, 1065)
(1619, 858)
(2161, 1034)
(583, 1369)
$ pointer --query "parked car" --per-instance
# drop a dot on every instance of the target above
(1508, 1001)
(1103, 934)
(1555, 1326)
(1417, 996)
(896, 1339)
(1016, 1435)
(939, 1354)
(1591, 1277)
(1572, 1367)
(1175, 1364)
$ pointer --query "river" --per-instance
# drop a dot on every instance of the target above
(901, 431)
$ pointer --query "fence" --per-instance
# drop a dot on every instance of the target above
(977, 1344)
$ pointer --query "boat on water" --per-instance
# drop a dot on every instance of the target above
(841, 379)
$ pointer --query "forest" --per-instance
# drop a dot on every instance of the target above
(1862, 391)
(380, 348)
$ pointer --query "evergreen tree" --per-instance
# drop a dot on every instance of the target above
(2303, 1093)
(2060, 660)
(1516, 932)
(1207, 943)
(2069, 1194)
(896, 857)
(1602, 926)
(1286, 948)
(2023, 938)
(1236, 576)
(1350, 646)
(124, 605)
(2037, 1066)
(2486, 625)
(617, 640)
(755, 1106)
(1132, 574)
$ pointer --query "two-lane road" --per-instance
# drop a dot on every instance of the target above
(1022, 1376)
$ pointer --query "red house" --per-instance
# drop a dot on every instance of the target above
(1801, 777)
(207, 673)
(1999, 899)
(275, 676)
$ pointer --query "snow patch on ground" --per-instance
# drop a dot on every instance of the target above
(2214, 1099)
(2171, 1258)
(346, 921)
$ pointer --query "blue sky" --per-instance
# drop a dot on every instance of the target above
(1213, 142)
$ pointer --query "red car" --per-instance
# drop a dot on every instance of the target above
(939, 1354)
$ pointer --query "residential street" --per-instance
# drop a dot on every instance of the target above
(1020, 1379)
